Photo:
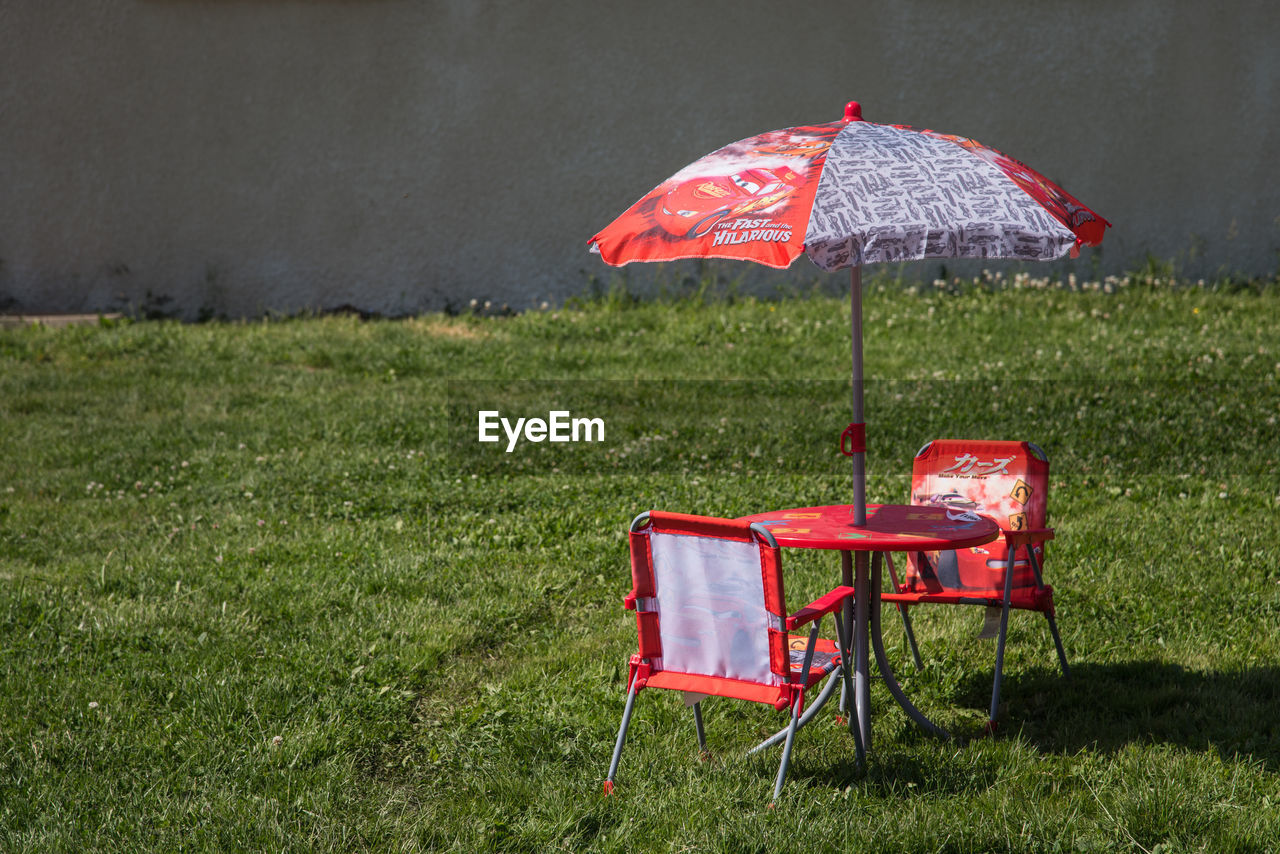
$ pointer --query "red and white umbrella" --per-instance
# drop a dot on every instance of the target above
(849, 193)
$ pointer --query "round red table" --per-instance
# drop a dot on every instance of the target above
(889, 528)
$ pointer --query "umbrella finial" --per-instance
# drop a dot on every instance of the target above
(853, 112)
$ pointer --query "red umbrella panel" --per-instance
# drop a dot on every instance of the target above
(749, 201)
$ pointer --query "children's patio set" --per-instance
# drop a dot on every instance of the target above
(708, 593)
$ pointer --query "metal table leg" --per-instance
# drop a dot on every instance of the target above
(861, 666)
(846, 639)
(882, 660)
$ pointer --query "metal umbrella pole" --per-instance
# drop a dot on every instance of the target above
(855, 571)
(858, 427)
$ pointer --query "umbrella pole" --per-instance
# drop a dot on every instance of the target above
(857, 622)
(858, 425)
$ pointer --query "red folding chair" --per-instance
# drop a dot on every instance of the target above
(1009, 482)
(712, 621)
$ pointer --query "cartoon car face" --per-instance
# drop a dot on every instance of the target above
(947, 499)
(691, 208)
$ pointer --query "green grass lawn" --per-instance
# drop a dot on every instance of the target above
(261, 588)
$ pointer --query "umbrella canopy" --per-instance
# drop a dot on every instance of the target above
(849, 193)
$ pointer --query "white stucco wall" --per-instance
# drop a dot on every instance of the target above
(400, 155)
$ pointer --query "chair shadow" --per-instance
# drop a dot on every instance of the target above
(1104, 707)
(1100, 708)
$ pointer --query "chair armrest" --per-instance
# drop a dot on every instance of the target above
(1018, 539)
(819, 607)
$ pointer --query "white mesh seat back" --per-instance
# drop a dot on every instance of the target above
(710, 602)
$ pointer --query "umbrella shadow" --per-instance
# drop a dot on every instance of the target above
(1105, 707)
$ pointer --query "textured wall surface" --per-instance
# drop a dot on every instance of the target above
(236, 156)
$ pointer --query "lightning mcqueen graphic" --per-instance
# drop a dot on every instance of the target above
(693, 207)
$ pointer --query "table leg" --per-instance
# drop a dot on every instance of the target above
(853, 573)
(846, 579)
(882, 660)
(861, 634)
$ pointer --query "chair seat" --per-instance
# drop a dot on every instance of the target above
(826, 657)
(1024, 598)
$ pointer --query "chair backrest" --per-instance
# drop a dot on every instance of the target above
(709, 598)
(1007, 481)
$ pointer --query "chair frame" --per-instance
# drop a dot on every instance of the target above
(645, 670)
(1037, 598)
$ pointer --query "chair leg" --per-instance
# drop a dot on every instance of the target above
(911, 636)
(999, 676)
(702, 733)
(622, 737)
(902, 611)
(1057, 642)
(1004, 633)
(1053, 624)
(796, 703)
(786, 748)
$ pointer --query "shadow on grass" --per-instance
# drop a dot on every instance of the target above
(1104, 707)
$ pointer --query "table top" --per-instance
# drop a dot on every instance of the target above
(890, 527)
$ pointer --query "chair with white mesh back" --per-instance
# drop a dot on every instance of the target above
(712, 621)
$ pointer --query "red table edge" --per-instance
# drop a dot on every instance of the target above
(872, 540)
